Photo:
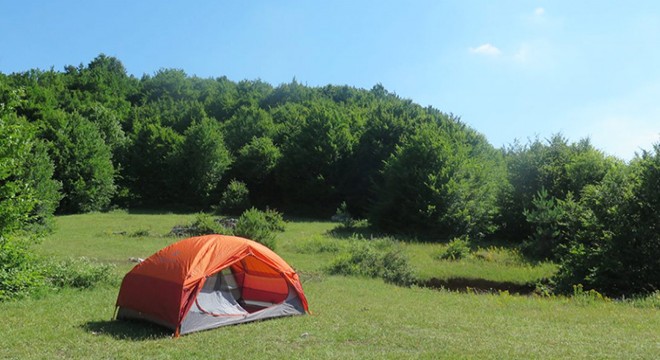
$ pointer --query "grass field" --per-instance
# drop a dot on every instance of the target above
(352, 317)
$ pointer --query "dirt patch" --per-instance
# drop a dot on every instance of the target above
(478, 285)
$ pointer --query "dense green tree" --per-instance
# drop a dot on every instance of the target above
(103, 81)
(257, 160)
(316, 146)
(292, 92)
(28, 193)
(17, 200)
(616, 246)
(384, 126)
(110, 128)
(247, 123)
(152, 167)
(252, 92)
(220, 98)
(83, 162)
(172, 84)
(554, 166)
(204, 160)
(431, 186)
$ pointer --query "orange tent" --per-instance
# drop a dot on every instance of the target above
(209, 281)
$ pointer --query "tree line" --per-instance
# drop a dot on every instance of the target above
(92, 137)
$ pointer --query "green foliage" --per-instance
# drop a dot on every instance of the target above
(344, 216)
(557, 167)
(255, 225)
(257, 160)
(318, 245)
(617, 249)
(169, 84)
(431, 185)
(47, 191)
(77, 273)
(373, 259)
(235, 199)
(151, 170)
(458, 248)
(318, 141)
(28, 197)
(172, 140)
(650, 301)
(19, 275)
(554, 222)
(275, 220)
(83, 163)
(588, 297)
(246, 124)
(17, 199)
(28, 193)
(22, 273)
(204, 160)
(202, 224)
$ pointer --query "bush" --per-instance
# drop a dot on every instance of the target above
(344, 217)
(367, 259)
(19, 276)
(77, 273)
(458, 248)
(275, 220)
(256, 225)
(616, 249)
(203, 224)
(23, 274)
(553, 222)
(235, 198)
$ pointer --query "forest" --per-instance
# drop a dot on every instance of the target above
(93, 138)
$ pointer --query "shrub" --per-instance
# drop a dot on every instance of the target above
(254, 224)
(344, 216)
(366, 259)
(235, 198)
(617, 247)
(275, 220)
(19, 276)
(547, 218)
(203, 224)
(458, 248)
(23, 274)
(77, 273)
(439, 181)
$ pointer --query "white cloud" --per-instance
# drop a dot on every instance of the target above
(486, 49)
(539, 11)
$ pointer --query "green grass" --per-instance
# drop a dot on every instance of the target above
(492, 263)
(352, 317)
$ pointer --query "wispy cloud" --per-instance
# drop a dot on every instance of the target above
(486, 50)
(523, 53)
(539, 11)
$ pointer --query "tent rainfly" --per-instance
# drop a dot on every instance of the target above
(210, 281)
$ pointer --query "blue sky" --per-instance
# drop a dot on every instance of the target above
(510, 69)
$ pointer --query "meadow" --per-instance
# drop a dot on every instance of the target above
(351, 317)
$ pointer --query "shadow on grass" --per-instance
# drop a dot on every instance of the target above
(127, 330)
(477, 285)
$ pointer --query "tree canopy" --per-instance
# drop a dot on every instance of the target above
(92, 137)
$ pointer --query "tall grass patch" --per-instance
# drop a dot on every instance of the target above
(382, 258)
